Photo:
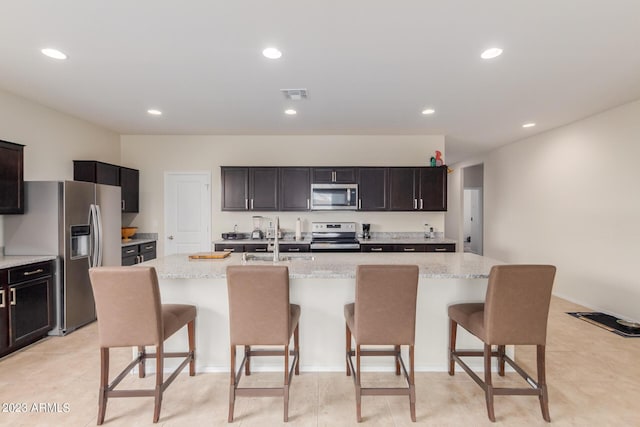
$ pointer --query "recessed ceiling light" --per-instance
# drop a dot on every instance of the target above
(290, 112)
(272, 53)
(491, 53)
(53, 53)
(528, 125)
(428, 111)
(154, 112)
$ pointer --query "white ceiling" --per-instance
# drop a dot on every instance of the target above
(370, 66)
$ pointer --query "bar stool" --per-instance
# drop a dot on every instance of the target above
(515, 312)
(384, 313)
(130, 314)
(260, 314)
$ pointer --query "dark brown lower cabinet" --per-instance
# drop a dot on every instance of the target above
(410, 247)
(26, 305)
(137, 253)
(231, 247)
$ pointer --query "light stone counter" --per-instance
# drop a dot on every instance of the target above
(20, 260)
(322, 287)
(334, 265)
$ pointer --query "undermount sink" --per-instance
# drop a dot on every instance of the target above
(269, 257)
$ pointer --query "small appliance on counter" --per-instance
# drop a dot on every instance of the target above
(257, 233)
(366, 231)
(233, 235)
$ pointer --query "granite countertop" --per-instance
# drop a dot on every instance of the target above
(406, 241)
(19, 260)
(132, 242)
(140, 238)
(375, 240)
(285, 240)
(332, 265)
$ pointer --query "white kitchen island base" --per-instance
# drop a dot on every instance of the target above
(322, 287)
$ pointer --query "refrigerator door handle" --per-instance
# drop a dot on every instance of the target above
(92, 242)
(99, 238)
(94, 221)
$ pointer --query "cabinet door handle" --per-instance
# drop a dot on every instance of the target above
(130, 251)
(122, 204)
(261, 249)
(333, 176)
(149, 247)
(441, 249)
(409, 249)
(246, 203)
(294, 250)
(29, 273)
(415, 203)
(229, 249)
(308, 204)
(421, 204)
(251, 204)
(2, 303)
(376, 249)
(13, 297)
(359, 203)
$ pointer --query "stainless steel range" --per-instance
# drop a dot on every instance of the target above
(334, 237)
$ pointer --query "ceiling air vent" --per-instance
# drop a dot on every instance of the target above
(295, 94)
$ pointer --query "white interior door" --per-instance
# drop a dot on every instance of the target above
(187, 212)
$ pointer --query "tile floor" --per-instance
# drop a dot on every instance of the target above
(593, 376)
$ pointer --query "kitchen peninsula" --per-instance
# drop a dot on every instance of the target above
(321, 283)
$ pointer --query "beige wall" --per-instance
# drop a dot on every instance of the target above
(155, 155)
(570, 197)
(52, 140)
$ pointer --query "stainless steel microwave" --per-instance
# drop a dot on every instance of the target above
(334, 197)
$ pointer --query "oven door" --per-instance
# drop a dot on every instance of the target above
(334, 247)
(334, 197)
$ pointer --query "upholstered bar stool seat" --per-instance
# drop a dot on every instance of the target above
(384, 313)
(260, 314)
(515, 312)
(130, 314)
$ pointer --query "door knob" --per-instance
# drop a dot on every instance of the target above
(170, 237)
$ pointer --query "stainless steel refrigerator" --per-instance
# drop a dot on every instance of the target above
(79, 222)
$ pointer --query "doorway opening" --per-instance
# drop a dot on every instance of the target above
(473, 211)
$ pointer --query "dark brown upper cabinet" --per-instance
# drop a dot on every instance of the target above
(105, 173)
(295, 189)
(11, 178)
(97, 172)
(263, 189)
(249, 189)
(373, 189)
(130, 187)
(402, 189)
(418, 189)
(328, 175)
(433, 189)
(235, 189)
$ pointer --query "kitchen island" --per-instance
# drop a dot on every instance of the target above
(321, 283)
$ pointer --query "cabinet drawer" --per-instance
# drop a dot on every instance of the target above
(442, 247)
(377, 248)
(294, 247)
(147, 247)
(409, 248)
(129, 250)
(29, 272)
(255, 247)
(231, 247)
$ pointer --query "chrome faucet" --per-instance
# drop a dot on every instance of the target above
(276, 241)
